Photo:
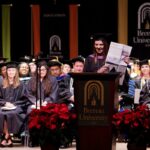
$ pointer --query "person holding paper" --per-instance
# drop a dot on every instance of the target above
(96, 60)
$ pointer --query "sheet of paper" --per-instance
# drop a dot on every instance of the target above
(117, 53)
(137, 96)
(114, 53)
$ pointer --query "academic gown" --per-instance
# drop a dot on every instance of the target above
(52, 97)
(145, 90)
(15, 118)
(64, 89)
(91, 65)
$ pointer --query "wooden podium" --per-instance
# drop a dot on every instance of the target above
(95, 102)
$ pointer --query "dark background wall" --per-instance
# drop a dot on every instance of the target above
(20, 30)
(94, 17)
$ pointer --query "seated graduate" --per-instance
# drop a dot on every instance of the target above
(43, 86)
(24, 70)
(64, 96)
(12, 102)
(66, 66)
(33, 67)
(2, 69)
(143, 82)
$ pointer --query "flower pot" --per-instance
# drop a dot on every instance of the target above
(49, 146)
(133, 146)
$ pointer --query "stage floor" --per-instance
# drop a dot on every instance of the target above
(119, 146)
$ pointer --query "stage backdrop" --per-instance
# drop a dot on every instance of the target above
(139, 28)
(55, 30)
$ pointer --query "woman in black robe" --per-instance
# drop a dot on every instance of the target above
(43, 87)
(96, 60)
(12, 102)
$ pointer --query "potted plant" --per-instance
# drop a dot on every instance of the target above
(52, 124)
(134, 124)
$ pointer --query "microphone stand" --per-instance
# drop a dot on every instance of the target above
(37, 79)
(38, 85)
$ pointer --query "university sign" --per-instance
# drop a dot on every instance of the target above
(139, 28)
(93, 110)
(143, 30)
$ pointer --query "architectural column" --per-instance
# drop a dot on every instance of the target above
(123, 21)
(73, 30)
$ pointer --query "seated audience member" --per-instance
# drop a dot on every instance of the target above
(78, 64)
(143, 82)
(55, 67)
(43, 86)
(64, 95)
(24, 71)
(12, 101)
(2, 68)
(66, 66)
(32, 67)
(134, 70)
(2, 60)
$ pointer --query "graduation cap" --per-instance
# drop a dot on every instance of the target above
(54, 62)
(26, 59)
(3, 64)
(2, 59)
(79, 58)
(134, 60)
(144, 62)
(11, 64)
(68, 62)
(102, 36)
(42, 62)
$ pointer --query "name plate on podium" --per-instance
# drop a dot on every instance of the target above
(93, 109)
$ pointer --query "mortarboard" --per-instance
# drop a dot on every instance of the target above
(3, 64)
(68, 62)
(144, 62)
(79, 58)
(134, 60)
(2, 59)
(11, 64)
(102, 36)
(44, 61)
(26, 59)
(54, 62)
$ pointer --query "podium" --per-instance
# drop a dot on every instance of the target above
(95, 102)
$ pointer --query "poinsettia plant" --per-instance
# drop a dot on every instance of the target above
(135, 124)
(52, 123)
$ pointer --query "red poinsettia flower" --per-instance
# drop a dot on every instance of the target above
(133, 122)
(51, 121)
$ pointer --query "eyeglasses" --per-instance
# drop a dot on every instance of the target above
(43, 69)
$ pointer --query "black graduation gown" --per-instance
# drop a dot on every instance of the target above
(51, 98)
(64, 89)
(15, 118)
